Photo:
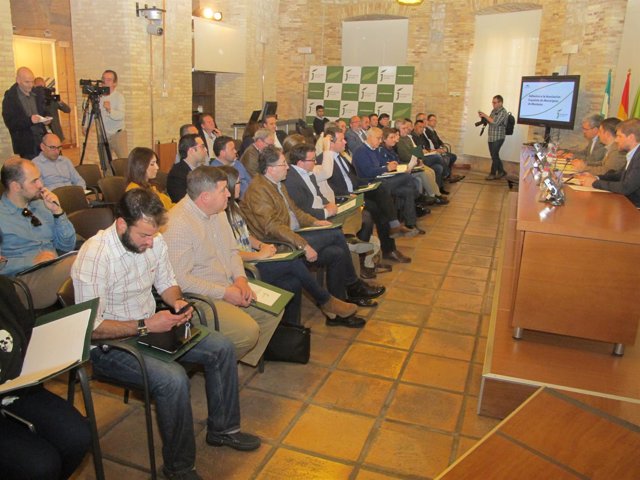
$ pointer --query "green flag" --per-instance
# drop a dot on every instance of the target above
(635, 111)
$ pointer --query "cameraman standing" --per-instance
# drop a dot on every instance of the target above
(112, 109)
(497, 122)
(23, 114)
(52, 104)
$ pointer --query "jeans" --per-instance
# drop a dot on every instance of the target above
(334, 254)
(169, 385)
(60, 443)
(292, 276)
(436, 163)
(494, 150)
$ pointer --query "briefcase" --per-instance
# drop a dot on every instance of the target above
(289, 343)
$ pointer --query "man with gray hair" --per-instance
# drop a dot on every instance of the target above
(207, 262)
(594, 152)
(249, 158)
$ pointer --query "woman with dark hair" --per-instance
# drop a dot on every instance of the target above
(143, 167)
(247, 136)
(291, 275)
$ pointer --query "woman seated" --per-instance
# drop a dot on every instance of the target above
(289, 275)
(143, 167)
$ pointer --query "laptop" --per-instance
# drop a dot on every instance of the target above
(171, 341)
(255, 115)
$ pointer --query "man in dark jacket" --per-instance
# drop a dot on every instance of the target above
(23, 114)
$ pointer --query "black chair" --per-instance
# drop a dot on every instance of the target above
(91, 173)
(66, 296)
(120, 166)
(79, 373)
(89, 221)
(112, 189)
(72, 198)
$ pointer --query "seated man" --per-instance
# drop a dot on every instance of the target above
(594, 152)
(208, 130)
(184, 130)
(224, 151)
(249, 158)
(431, 155)
(354, 135)
(193, 153)
(614, 159)
(369, 163)
(33, 229)
(378, 202)
(271, 214)
(270, 122)
(435, 143)
(206, 261)
(56, 169)
(626, 180)
(120, 266)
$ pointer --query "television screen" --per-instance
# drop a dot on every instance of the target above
(549, 101)
(270, 108)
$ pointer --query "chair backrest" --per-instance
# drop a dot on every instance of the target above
(66, 294)
(89, 221)
(160, 181)
(72, 198)
(120, 166)
(91, 173)
(112, 188)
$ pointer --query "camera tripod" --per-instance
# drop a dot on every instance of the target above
(95, 116)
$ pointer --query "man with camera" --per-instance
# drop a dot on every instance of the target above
(24, 115)
(52, 103)
(112, 109)
(497, 121)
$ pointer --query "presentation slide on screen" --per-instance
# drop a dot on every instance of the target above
(549, 101)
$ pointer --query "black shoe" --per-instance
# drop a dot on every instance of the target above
(444, 192)
(362, 289)
(396, 256)
(501, 174)
(440, 200)
(422, 211)
(455, 178)
(349, 322)
(189, 475)
(362, 302)
(238, 441)
(426, 200)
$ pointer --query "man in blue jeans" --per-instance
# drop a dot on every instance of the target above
(121, 265)
(497, 121)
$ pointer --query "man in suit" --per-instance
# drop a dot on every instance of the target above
(354, 135)
(193, 153)
(208, 131)
(626, 180)
(320, 120)
(249, 158)
(270, 122)
(614, 159)
(435, 143)
(594, 152)
(23, 114)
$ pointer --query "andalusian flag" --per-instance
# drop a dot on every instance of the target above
(635, 111)
(606, 101)
(623, 109)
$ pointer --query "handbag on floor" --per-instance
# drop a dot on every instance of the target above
(289, 343)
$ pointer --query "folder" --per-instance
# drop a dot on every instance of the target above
(270, 298)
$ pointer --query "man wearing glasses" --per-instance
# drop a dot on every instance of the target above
(193, 153)
(56, 169)
(33, 229)
(593, 154)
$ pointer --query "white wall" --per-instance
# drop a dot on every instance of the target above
(505, 49)
(375, 42)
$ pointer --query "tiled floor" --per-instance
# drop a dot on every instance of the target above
(394, 400)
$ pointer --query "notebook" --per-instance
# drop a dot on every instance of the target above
(170, 341)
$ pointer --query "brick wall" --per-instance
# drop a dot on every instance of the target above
(7, 72)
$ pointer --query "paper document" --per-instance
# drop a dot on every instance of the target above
(279, 256)
(402, 168)
(264, 295)
(367, 188)
(42, 119)
(347, 205)
(580, 188)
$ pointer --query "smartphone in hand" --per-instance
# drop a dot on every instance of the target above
(185, 308)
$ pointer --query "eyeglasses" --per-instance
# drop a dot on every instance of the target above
(54, 147)
(35, 221)
(280, 164)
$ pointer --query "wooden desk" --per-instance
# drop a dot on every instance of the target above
(574, 268)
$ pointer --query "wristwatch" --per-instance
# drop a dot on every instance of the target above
(142, 328)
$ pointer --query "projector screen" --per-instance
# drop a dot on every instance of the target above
(549, 101)
(218, 47)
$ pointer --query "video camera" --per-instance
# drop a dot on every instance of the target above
(50, 95)
(93, 88)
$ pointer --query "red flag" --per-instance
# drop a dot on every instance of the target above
(623, 109)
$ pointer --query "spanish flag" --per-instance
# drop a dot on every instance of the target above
(623, 109)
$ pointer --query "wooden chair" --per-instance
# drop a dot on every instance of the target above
(112, 189)
(88, 222)
(72, 198)
(120, 166)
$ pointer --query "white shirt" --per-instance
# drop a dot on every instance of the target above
(306, 177)
(631, 154)
(121, 279)
(209, 138)
(114, 120)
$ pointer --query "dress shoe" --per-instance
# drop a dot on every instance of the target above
(337, 308)
(444, 192)
(238, 441)
(383, 268)
(440, 200)
(455, 178)
(358, 246)
(426, 200)
(367, 272)
(422, 211)
(363, 302)
(188, 475)
(501, 174)
(396, 256)
(362, 289)
(490, 177)
(401, 231)
(350, 322)
(420, 231)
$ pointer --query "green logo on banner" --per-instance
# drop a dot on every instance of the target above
(350, 91)
(316, 91)
(404, 75)
(369, 75)
(401, 110)
(385, 93)
(334, 74)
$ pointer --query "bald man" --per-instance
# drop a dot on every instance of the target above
(24, 115)
(56, 170)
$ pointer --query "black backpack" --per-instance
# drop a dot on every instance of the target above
(511, 124)
(16, 323)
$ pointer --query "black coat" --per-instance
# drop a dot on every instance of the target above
(25, 142)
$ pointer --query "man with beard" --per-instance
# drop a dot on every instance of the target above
(33, 228)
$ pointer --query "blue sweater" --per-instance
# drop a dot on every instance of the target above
(369, 163)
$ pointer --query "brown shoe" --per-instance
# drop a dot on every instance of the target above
(396, 256)
(367, 273)
(337, 308)
(402, 231)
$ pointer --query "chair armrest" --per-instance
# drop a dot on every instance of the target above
(447, 147)
(209, 303)
(106, 345)
(251, 270)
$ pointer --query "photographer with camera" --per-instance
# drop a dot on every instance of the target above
(24, 115)
(112, 109)
(497, 121)
(52, 104)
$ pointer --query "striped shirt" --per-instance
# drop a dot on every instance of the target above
(497, 130)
